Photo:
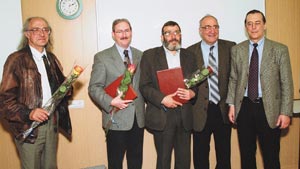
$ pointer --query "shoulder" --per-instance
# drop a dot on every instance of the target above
(136, 51)
(184, 51)
(275, 44)
(19, 55)
(153, 51)
(240, 45)
(106, 52)
(226, 42)
(193, 46)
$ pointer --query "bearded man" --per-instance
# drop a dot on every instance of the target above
(168, 120)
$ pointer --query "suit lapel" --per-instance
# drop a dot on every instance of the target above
(117, 61)
(265, 56)
(244, 55)
(222, 52)
(198, 52)
(161, 59)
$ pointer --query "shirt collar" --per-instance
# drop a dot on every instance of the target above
(259, 43)
(207, 46)
(168, 51)
(36, 54)
(121, 50)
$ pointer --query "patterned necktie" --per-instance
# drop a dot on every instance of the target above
(214, 89)
(126, 57)
(253, 75)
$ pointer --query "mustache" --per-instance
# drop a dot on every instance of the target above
(124, 38)
(173, 40)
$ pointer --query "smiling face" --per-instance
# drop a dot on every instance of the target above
(209, 30)
(255, 26)
(37, 38)
(122, 34)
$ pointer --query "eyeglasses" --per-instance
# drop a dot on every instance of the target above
(169, 33)
(209, 27)
(37, 31)
(122, 31)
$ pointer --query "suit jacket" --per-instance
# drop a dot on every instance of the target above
(152, 61)
(201, 105)
(275, 75)
(21, 92)
(108, 66)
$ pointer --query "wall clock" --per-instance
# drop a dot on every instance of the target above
(69, 9)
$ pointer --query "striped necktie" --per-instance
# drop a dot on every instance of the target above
(214, 89)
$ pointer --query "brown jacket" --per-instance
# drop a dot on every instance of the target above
(21, 92)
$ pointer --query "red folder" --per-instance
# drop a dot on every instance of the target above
(111, 89)
(169, 80)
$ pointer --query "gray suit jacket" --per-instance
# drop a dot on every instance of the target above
(152, 61)
(275, 75)
(201, 105)
(107, 67)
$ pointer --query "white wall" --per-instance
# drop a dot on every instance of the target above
(10, 29)
(147, 18)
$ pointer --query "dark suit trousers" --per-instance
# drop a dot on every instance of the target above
(222, 136)
(174, 136)
(252, 124)
(129, 142)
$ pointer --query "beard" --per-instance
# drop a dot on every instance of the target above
(170, 46)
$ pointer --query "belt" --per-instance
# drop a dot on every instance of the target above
(210, 102)
(256, 101)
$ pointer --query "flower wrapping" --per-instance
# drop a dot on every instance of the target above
(197, 77)
(123, 88)
(56, 98)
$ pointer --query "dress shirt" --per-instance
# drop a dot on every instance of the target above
(121, 52)
(172, 60)
(260, 47)
(205, 53)
(37, 57)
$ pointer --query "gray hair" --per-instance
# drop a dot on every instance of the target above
(24, 41)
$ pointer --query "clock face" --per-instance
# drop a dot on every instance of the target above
(69, 9)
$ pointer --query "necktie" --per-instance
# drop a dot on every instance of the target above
(51, 77)
(253, 75)
(52, 82)
(214, 89)
(126, 56)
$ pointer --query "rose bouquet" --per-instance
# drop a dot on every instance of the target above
(197, 77)
(56, 98)
(122, 88)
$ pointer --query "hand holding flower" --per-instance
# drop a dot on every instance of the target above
(38, 114)
(118, 102)
(185, 94)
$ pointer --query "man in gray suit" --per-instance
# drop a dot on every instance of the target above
(168, 120)
(127, 132)
(211, 117)
(262, 105)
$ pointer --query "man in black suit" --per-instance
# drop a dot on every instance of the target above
(210, 111)
(168, 120)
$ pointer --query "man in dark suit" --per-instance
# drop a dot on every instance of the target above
(126, 134)
(260, 93)
(210, 116)
(27, 84)
(170, 121)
